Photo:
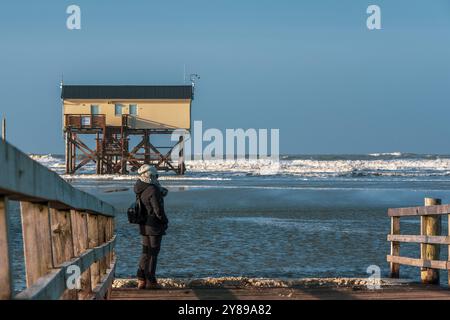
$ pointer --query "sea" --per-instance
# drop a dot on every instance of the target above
(303, 216)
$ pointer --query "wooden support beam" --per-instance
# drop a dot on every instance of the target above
(36, 241)
(430, 226)
(181, 165)
(80, 245)
(6, 286)
(68, 151)
(395, 247)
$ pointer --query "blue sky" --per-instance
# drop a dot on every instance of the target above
(310, 68)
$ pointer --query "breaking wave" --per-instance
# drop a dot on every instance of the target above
(323, 166)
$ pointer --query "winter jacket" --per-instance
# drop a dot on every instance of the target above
(153, 201)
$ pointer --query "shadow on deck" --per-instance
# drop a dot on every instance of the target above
(409, 292)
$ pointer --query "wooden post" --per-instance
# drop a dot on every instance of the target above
(4, 129)
(80, 245)
(6, 288)
(93, 242)
(97, 152)
(147, 150)
(62, 243)
(68, 152)
(430, 226)
(181, 165)
(73, 152)
(395, 247)
(36, 240)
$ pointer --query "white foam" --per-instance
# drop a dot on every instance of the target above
(307, 168)
(393, 154)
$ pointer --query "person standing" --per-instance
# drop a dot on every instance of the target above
(151, 195)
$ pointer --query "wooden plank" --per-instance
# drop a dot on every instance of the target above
(50, 287)
(104, 288)
(420, 239)
(443, 265)
(395, 247)
(430, 226)
(80, 245)
(102, 240)
(53, 285)
(92, 243)
(400, 292)
(29, 181)
(6, 287)
(62, 243)
(36, 241)
(420, 211)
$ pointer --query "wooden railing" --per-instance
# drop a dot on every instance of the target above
(85, 121)
(430, 240)
(65, 231)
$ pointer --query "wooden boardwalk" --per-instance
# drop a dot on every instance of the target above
(409, 292)
(69, 240)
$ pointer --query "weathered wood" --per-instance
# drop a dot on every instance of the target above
(80, 245)
(420, 239)
(49, 287)
(5, 254)
(391, 292)
(27, 180)
(93, 242)
(103, 289)
(430, 226)
(53, 285)
(448, 257)
(101, 240)
(420, 211)
(62, 243)
(36, 240)
(395, 247)
(433, 264)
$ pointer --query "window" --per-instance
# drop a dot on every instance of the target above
(133, 109)
(95, 109)
(85, 121)
(118, 109)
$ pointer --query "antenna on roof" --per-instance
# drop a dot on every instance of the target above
(62, 80)
(193, 78)
(184, 73)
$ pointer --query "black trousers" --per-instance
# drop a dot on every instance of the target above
(151, 246)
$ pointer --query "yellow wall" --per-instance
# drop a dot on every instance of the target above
(151, 114)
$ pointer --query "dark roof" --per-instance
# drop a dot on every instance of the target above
(125, 92)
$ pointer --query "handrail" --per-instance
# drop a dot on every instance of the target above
(22, 178)
(419, 211)
(96, 120)
(430, 240)
(64, 231)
